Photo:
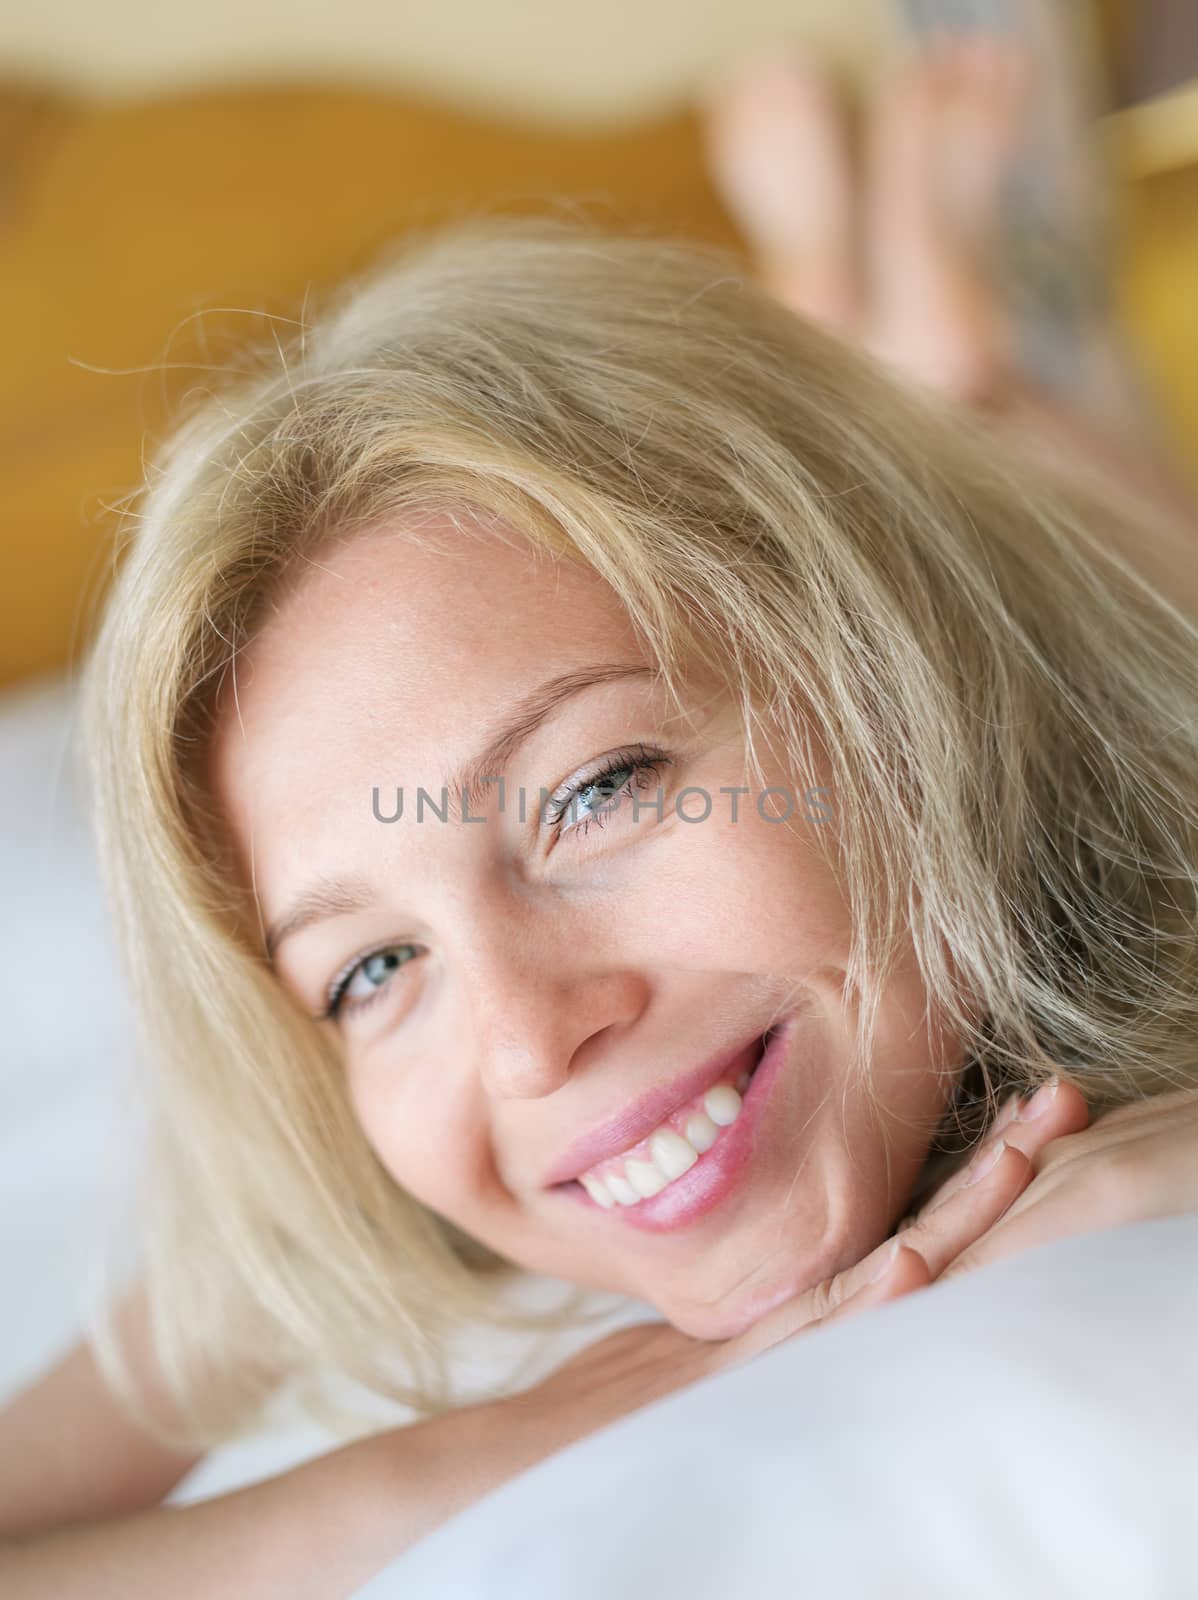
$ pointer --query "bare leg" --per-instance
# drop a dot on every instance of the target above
(942, 135)
(778, 157)
(943, 132)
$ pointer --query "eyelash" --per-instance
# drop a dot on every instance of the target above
(636, 760)
(347, 975)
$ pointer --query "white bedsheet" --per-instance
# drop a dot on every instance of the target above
(1029, 1429)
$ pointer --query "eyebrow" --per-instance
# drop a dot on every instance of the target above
(333, 897)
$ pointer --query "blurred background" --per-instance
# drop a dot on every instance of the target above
(156, 161)
(159, 162)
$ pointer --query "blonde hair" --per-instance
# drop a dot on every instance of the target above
(1008, 709)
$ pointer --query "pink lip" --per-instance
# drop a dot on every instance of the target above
(717, 1173)
(639, 1119)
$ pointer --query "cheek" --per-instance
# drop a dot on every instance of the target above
(413, 1131)
(754, 891)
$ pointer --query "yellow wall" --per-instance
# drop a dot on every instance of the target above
(562, 60)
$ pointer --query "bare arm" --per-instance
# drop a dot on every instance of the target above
(318, 1531)
(81, 1484)
(69, 1452)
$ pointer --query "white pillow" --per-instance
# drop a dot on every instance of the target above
(1028, 1429)
(67, 1032)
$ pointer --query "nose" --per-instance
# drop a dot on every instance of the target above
(537, 1015)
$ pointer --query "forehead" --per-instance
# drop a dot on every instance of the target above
(438, 589)
(387, 658)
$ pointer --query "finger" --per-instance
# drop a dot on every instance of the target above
(1139, 1115)
(993, 1181)
(898, 1270)
(1027, 1124)
(989, 1143)
(904, 1271)
(938, 1241)
(1114, 1184)
(1055, 1110)
(1023, 1233)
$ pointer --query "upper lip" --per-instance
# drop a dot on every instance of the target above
(641, 1116)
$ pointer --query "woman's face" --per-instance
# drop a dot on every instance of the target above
(526, 993)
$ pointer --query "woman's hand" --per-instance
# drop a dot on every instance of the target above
(1042, 1173)
(459, 1457)
(1134, 1163)
(634, 1366)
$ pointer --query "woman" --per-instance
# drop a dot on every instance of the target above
(596, 777)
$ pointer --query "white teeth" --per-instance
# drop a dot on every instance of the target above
(645, 1178)
(672, 1154)
(701, 1132)
(598, 1191)
(622, 1189)
(722, 1104)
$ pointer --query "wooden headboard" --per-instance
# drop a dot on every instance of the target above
(121, 221)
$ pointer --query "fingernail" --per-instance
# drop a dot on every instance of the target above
(1040, 1102)
(984, 1162)
(887, 1260)
(1006, 1112)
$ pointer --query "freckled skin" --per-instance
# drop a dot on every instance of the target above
(554, 978)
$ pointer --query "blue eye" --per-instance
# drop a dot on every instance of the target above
(593, 797)
(617, 776)
(376, 968)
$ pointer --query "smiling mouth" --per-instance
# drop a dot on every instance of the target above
(677, 1144)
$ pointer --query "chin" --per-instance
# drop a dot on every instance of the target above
(723, 1322)
(742, 1309)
